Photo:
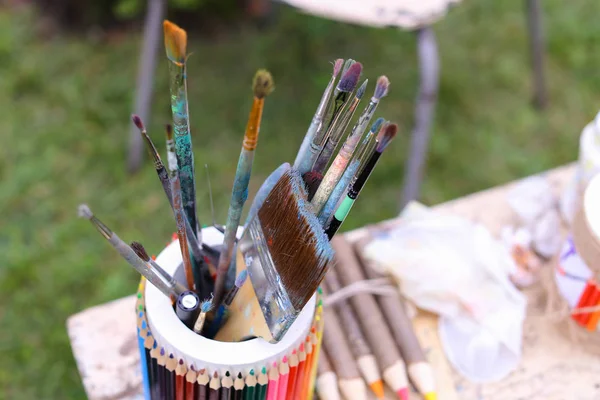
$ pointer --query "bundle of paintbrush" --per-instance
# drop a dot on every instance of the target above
(257, 286)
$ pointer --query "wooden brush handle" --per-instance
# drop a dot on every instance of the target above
(245, 316)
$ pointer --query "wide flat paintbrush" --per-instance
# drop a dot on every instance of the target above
(262, 87)
(286, 254)
(303, 161)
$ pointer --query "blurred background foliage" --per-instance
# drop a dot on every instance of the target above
(67, 82)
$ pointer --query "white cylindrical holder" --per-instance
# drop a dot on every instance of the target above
(213, 355)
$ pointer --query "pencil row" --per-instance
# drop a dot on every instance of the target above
(165, 376)
(368, 338)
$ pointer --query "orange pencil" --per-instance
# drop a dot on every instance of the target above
(302, 357)
(594, 319)
(311, 348)
(293, 363)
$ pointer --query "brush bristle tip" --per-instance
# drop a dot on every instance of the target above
(241, 278)
(175, 42)
(361, 90)
(84, 211)
(382, 87)
(386, 135)
(262, 84)
(138, 122)
(140, 250)
(350, 78)
(337, 66)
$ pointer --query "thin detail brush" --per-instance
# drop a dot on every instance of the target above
(288, 255)
(197, 258)
(338, 130)
(386, 135)
(339, 164)
(220, 315)
(302, 162)
(176, 287)
(175, 46)
(125, 251)
(340, 96)
(262, 87)
(362, 152)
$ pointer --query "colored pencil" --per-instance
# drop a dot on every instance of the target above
(190, 383)
(272, 390)
(318, 326)
(155, 372)
(284, 375)
(380, 340)
(171, 376)
(180, 372)
(298, 385)
(262, 87)
(327, 380)
(202, 385)
(385, 136)
(591, 301)
(226, 387)
(419, 370)
(238, 387)
(175, 46)
(335, 342)
(310, 351)
(303, 161)
(214, 387)
(293, 363)
(592, 323)
(148, 344)
(588, 291)
(162, 374)
(262, 383)
(250, 388)
(365, 360)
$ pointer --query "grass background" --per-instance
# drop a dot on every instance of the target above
(65, 103)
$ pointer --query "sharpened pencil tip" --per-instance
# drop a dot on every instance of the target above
(138, 122)
(262, 84)
(381, 88)
(377, 388)
(84, 211)
(175, 42)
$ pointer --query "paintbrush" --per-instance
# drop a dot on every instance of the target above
(385, 136)
(125, 251)
(163, 175)
(181, 233)
(262, 86)
(340, 96)
(204, 309)
(265, 189)
(175, 46)
(338, 130)
(286, 254)
(303, 160)
(175, 287)
(362, 152)
(345, 154)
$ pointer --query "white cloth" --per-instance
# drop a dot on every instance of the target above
(452, 267)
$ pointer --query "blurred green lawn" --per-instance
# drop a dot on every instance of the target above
(64, 120)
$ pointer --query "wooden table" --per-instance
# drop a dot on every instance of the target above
(105, 347)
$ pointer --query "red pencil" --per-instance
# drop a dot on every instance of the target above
(591, 302)
(284, 375)
(180, 372)
(583, 300)
(293, 363)
(190, 384)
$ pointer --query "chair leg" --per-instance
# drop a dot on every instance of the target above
(147, 64)
(424, 110)
(536, 43)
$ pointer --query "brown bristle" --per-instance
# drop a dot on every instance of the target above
(297, 243)
(169, 130)
(140, 251)
(312, 179)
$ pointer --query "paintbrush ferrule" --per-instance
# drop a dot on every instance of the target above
(276, 306)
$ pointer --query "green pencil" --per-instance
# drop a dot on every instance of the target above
(263, 381)
(250, 389)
